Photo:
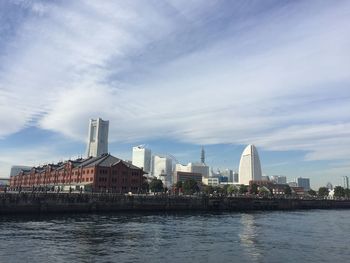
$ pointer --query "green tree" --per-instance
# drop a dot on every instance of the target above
(287, 190)
(323, 191)
(231, 189)
(190, 186)
(178, 185)
(264, 191)
(243, 189)
(224, 189)
(208, 189)
(156, 185)
(253, 189)
(218, 190)
(145, 186)
(339, 191)
(312, 192)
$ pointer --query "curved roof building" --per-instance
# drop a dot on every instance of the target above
(249, 166)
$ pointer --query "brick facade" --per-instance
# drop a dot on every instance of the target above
(103, 173)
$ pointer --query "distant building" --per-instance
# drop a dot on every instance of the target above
(98, 174)
(211, 181)
(249, 165)
(98, 138)
(304, 183)
(276, 189)
(223, 179)
(15, 169)
(346, 182)
(293, 184)
(141, 157)
(265, 178)
(298, 191)
(4, 182)
(162, 169)
(200, 168)
(278, 179)
(235, 177)
(184, 176)
(229, 174)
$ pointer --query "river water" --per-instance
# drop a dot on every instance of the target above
(297, 236)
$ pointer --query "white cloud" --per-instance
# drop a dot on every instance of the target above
(279, 80)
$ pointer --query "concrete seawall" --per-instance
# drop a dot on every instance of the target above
(23, 203)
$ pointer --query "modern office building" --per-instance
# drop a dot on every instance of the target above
(184, 176)
(235, 177)
(98, 137)
(304, 182)
(142, 157)
(278, 179)
(229, 174)
(249, 166)
(162, 169)
(200, 168)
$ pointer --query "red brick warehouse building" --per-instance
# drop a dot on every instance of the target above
(103, 173)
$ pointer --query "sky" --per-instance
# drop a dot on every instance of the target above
(177, 75)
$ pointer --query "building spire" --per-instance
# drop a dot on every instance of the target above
(202, 155)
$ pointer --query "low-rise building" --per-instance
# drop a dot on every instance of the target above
(211, 181)
(276, 189)
(184, 176)
(298, 191)
(102, 173)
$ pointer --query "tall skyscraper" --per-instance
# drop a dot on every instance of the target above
(141, 157)
(98, 137)
(249, 165)
(162, 169)
(202, 156)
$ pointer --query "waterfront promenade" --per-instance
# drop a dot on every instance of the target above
(19, 203)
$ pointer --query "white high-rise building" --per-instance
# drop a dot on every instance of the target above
(162, 169)
(141, 157)
(249, 165)
(98, 137)
(200, 168)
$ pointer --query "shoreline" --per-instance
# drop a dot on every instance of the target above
(47, 203)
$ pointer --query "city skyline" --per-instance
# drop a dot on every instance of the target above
(178, 75)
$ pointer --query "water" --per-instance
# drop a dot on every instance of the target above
(299, 236)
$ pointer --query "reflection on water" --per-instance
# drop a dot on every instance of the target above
(248, 237)
(258, 237)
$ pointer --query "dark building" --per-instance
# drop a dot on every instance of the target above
(184, 176)
(103, 173)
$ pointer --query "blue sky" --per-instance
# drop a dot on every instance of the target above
(176, 75)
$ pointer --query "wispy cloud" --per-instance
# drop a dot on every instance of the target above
(275, 74)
